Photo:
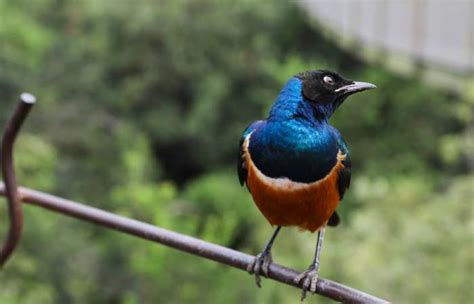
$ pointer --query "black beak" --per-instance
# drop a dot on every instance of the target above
(354, 87)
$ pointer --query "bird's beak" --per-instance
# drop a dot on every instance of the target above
(354, 87)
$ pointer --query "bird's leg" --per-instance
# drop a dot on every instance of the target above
(310, 276)
(263, 259)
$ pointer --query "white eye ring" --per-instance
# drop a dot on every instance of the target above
(328, 80)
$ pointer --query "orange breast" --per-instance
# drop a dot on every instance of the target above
(287, 203)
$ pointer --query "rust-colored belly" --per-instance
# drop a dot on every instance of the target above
(287, 203)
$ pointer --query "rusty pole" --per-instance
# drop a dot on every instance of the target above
(15, 212)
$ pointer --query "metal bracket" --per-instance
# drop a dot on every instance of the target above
(15, 211)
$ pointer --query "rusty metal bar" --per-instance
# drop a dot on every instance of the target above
(139, 229)
(185, 243)
(15, 212)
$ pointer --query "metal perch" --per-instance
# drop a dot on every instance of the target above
(15, 211)
(16, 196)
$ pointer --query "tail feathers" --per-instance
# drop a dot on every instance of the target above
(334, 220)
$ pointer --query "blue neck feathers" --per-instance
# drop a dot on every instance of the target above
(290, 103)
(296, 140)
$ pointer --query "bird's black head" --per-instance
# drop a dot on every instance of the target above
(327, 90)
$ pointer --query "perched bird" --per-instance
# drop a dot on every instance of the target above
(296, 165)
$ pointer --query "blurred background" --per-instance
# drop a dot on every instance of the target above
(141, 106)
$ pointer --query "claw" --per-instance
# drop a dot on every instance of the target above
(260, 266)
(310, 279)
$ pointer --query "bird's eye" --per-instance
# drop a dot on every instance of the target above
(328, 80)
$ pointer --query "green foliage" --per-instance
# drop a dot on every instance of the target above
(140, 111)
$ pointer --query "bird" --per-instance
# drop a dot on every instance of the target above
(296, 165)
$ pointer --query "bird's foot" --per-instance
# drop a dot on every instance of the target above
(309, 278)
(260, 266)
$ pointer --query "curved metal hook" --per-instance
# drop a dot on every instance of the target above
(15, 211)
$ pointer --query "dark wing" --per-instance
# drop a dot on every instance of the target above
(343, 182)
(344, 178)
(241, 166)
